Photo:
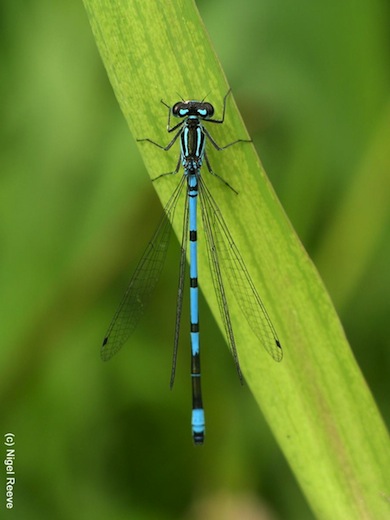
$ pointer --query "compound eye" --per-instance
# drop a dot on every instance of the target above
(205, 110)
(179, 109)
(209, 109)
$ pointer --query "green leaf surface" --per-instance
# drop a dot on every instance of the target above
(316, 401)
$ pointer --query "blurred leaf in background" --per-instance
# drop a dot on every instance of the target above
(77, 206)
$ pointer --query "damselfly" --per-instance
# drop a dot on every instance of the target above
(224, 257)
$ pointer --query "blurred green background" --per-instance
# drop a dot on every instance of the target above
(96, 440)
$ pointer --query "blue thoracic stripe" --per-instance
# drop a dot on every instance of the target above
(221, 249)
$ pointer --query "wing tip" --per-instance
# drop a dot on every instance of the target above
(279, 352)
(104, 353)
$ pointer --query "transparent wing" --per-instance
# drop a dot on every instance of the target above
(214, 261)
(142, 284)
(180, 290)
(240, 281)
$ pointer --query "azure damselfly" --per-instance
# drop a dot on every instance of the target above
(224, 258)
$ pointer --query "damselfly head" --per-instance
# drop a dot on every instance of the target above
(200, 109)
